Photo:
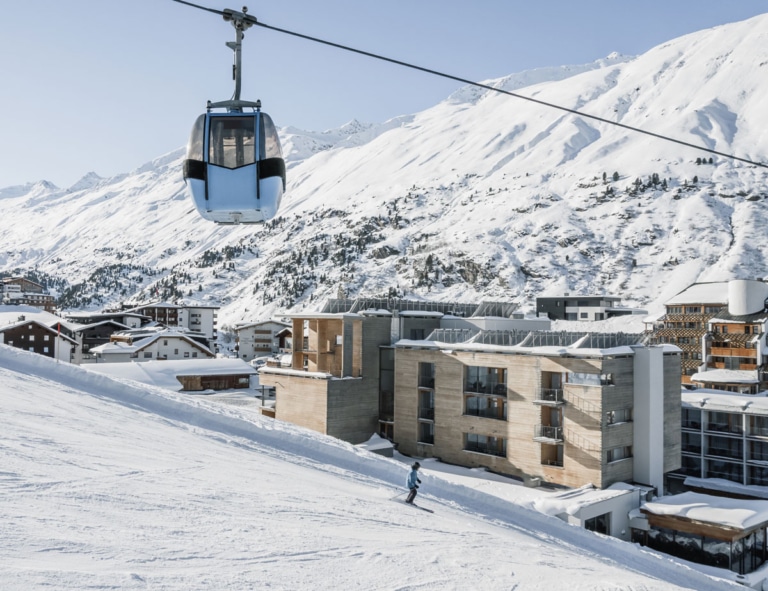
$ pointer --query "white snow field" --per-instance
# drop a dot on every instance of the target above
(108, 484)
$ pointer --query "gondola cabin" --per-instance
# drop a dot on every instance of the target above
(234, 168)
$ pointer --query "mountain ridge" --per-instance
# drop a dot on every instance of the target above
(482, 196)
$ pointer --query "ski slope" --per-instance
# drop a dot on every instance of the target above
(109, 484)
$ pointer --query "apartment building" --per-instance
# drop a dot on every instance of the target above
(686, 321)
(564, 408)
(342, 378)
(257, 339)
(583, 307)
(734, 347)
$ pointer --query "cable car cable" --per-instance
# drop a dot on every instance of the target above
(253, 21)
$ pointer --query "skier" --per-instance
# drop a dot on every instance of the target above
(413, 482)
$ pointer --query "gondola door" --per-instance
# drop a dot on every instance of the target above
(232, 173)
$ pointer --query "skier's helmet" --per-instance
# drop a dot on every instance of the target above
(416, 466)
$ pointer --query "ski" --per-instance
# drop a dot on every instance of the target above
(419, 507)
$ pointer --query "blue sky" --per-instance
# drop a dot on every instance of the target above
(105, 86)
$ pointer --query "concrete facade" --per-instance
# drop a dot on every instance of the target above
(540, 422)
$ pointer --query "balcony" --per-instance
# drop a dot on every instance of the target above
(549, 397)
(547, 434)
(732, 352)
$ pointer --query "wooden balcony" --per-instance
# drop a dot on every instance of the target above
(733, 352)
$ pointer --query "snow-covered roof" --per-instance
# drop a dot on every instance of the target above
(164, 373)
(726, 376)
(736, 513)
(726, 401)
(10, 315)
(572, 501)
(702, 293)
(728, 486)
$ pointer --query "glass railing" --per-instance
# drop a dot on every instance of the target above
(550, 395)
(493, 387)
(426, 382)
(546, 432)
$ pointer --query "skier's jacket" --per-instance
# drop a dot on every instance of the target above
(413, 478)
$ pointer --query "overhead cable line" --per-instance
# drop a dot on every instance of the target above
(255, 22)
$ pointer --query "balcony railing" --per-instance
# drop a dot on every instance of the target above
(487, 387)
(549, 396)
(487, 413)
(732, 352)
(485, 449)
(547, 433)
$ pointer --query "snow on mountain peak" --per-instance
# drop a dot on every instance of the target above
(483, 196)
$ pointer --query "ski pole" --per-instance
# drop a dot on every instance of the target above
(400, 495)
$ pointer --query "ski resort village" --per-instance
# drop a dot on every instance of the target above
(542, 317)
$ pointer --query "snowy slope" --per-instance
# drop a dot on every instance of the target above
(483, 196)
(108, 484)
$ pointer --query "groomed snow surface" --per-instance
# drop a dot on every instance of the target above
(108, 484)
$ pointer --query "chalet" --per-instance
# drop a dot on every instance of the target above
(19, 291)
(31, 329)
(161, 345)
(258, 339)
(197, 318)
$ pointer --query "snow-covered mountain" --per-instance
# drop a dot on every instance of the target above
(482, 196)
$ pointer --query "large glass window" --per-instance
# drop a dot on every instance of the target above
(722, 469)
(427, 433)
(495, 446)
(726, 447)
(486, 380)
(691, 442)
(232, 141)
(600, 524)
(491, 407)
(724, 422)
(758, 451)
(619, 453)
(426, 375)
(691, 418)
(690, 466)
(757, 426)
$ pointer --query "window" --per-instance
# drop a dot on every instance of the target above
(427, 433)
(583, 315)
(619, 453)
(232, 141)
(47, 337)
(723, 422)
(147, 354)
(417, 334)
(165, 342)
(622, 415)
(485, 380)
(427, 405)
(490, 407)
(691, 442)
(426, 375)
(186, 353)
(31, 338)
(692, 309)
(45, 349)
(484, 444)
(584, 379)
(194, 354)
(600, 524)
(726, 447)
